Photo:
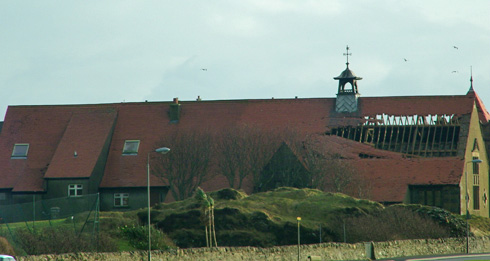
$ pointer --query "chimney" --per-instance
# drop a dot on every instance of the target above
(174, 112)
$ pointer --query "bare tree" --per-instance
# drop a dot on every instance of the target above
(285, 169)
(262, 145)
(244, 150)
(284, 165)
(185, 168)
(331, 172)
(339, 174)
(233, 151)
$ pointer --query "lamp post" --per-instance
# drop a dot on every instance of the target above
(162, 150)
(467, 199)
(298, 219)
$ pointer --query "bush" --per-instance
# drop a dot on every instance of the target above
(394, 223)
(5, 247)
(143, 216)
(138, 238)
(455, 224)
(61, 240)
(228, 194)
(187, 238)
(186, 220)
(110, 222)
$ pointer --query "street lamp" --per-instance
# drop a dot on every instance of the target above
(162, 150)
(298, 219)
(467, 198)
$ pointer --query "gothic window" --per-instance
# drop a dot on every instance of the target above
(476, 167)
(476, 197)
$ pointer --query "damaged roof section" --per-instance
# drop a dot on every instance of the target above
(425, 135)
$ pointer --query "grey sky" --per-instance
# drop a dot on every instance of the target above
(79, 52)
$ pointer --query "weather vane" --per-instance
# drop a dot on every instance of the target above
(347, 54)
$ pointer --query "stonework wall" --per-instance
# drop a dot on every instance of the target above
(327, 251)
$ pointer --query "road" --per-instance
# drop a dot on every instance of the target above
(458, 257)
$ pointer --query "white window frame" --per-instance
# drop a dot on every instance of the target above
(77, 190)
(127, 147)
(15, 152)
(121, 199)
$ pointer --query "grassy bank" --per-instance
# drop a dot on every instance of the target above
(262, 220)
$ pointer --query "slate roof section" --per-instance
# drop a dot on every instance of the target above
(347, 74)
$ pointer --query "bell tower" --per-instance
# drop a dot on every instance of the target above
(347, 98)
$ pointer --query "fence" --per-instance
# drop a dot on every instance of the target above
(83, 207)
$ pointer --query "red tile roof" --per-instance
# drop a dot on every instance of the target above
(387, 175)
(482, 111)
(388, 179)
(417, 105)
(148, 122)
(55, 132)
(47, 129)
(42, 128)
(81, 144)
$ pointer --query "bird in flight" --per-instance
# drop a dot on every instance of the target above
(405, 59)
(454, 71)
(455, 47)
(204, 69)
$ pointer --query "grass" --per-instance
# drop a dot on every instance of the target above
(40, 224)
(480, 226)
(313, 206)
(124, 246)
(280, 207)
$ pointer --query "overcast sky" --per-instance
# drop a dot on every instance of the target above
(111, 51)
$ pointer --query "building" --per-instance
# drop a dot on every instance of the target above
(416, 149)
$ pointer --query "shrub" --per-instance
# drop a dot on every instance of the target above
(394, 223)
(186, 238)
(5, 247)
(138, 238)
(186, 220)
(228, 194)
(112, 221)
(61, 240)
(143, 216)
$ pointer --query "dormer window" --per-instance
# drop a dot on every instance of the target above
(20, 151)
(131, 147)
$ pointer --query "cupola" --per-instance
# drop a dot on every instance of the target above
(347, 98)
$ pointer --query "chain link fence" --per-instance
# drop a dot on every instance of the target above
(50, 209)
